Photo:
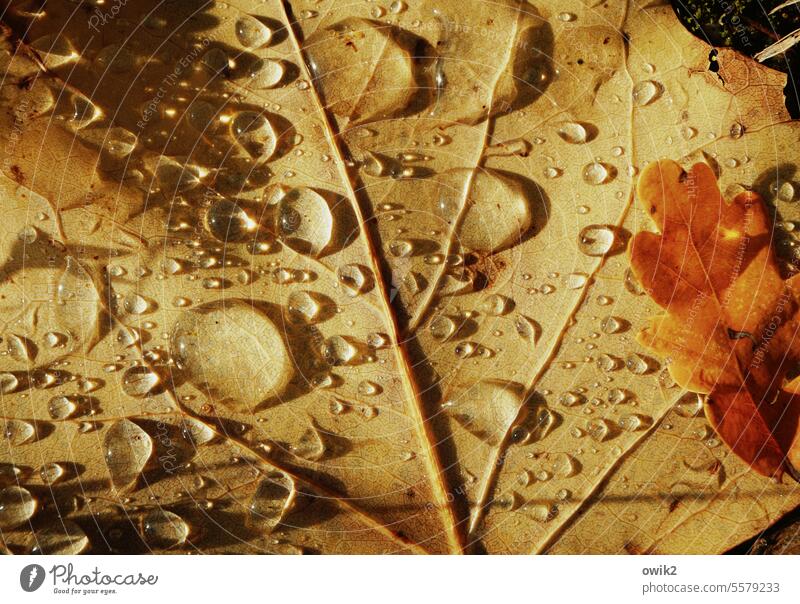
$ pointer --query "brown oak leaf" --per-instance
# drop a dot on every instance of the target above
(731, 324)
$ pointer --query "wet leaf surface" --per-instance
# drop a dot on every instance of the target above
(300, 277)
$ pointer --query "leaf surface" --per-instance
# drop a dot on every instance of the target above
(310, 277)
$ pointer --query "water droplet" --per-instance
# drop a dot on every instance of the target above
(51, 473)
(257, 365)
(596, 173)
(62, 407)
(737, 130)
(496, 305)
(139, 382)
(541, 512)
(255, 133)
(338, 350)
(442, 327)
(598, 429)
(62, 538)
(617, 396)
(631, 422)
(227, 221)
(17, 506)
(196, 432)
(355, 279)
(163, 529)
(305, 221)
(252, 33)
(527, 328)
(305, 306)
(311, 445)
(689, 405)
(216, 60)
(266, 73)
(465, 350)
(8, 383)
(596, 240)
(607, 362)
(274, 499)
(611, 324)
(174, 177)
(401, 248)
(127, 449)
(20, 348)
(17, 431)
(488, 409)
(786, 191)
(688, 133)
(632, 284)
(571, 399)
(55, 50)
(573, 132)
(637, 364)
(646, 91)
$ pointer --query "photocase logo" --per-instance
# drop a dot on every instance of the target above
(31, 577)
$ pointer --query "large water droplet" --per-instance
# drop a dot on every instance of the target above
(488, 409)
(138, 382)
(266, 73)
(227, 221)
(442, 327)
(256, 366)
(62, 407)
(355, 279)
(163, 529)
(256, 134)
(274, 499)
(251, 32)
(305, 221)
(596, 240)
(646, 91)
(17, 431)
(17, 506)
(496, 305)
(62, 538)
(339, 350)
(573, 132)
(689, 405)
(51, 472)
(596, 173)
(127, 449)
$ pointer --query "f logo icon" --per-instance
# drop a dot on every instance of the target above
(31, 577)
